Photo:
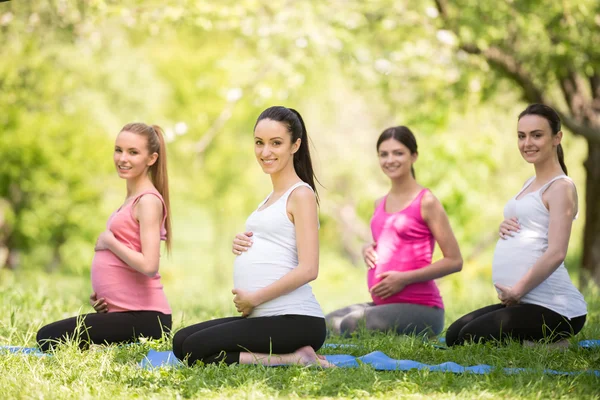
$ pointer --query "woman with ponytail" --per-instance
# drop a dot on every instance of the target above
(538, 301)
(127, 293)
(281, 322)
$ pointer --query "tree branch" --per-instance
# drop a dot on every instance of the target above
(225, 116)
(532, 94)
(511, 67)
(354, 232)
(442, 8)
(568, 85)
(216, 127)
(588, 132)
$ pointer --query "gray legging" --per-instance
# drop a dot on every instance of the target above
(402, 318)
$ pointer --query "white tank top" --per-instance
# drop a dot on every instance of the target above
(272, 255)
(514, 256)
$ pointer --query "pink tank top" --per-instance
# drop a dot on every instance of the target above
(404, 243)
(124, 288)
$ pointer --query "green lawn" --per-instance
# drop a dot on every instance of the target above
(199, 291)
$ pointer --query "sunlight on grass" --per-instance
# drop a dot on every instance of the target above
(198, 285)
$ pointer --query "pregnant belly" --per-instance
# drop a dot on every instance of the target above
(513, 257)
(393, 265)
(254, 269)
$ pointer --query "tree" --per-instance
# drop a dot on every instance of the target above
(549, 51)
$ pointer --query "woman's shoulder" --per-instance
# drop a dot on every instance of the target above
(148, 204)
(301, 195)
(562, 182)
(302, 190)
(430, 205)
(562, 187)
(150, 199)
(428, 199)
(560, 194)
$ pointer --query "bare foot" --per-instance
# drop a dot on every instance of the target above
(306, 356)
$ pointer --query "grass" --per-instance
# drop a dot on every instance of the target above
(201, 290)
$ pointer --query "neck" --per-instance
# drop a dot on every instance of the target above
(138, 184)
(547, 169)
(403, 185)
(283, 179)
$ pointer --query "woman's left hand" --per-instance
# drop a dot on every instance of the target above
(103, 240)
(391, 283)
(507, 295)
(244, 301)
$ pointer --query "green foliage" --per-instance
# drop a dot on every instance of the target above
(57, 83)
(204, 71)
(49, 161)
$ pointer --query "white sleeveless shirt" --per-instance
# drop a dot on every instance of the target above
(514, 256)
(272, 255)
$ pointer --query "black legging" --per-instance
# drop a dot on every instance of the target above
(101, 328)
(223, 339)
(518, 322)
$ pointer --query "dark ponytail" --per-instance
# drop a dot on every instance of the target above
(403, 135)
(295, 125)
(553, 120)
(561, 158)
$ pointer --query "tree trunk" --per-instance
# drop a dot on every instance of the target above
(13, 260)
(591, 237)
(3, 256)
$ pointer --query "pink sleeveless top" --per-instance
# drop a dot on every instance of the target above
(124, 288)
(404, 243)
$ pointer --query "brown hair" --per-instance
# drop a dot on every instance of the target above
(158, 171)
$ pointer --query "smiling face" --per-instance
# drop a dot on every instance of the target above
(131, 156)
(536, 141)
(273, 146)
(395, 158)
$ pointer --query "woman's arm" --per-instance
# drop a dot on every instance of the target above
(435, 216)
(562, 206)
(302, 206)
(149, 212)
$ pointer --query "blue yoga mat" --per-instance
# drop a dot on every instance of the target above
(377, 359)
(590, 344)
(158, 359)
(21, 350)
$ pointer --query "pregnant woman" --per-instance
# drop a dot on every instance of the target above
(537, 298)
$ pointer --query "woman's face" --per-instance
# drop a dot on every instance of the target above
(535, 139)
(273, 146)
(395, 158)
(131, 156)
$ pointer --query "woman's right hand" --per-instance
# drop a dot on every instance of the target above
(369, 254)
(99, 304)
(241, 243)
(508, 226)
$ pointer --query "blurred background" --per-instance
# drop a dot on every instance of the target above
(73, 72)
